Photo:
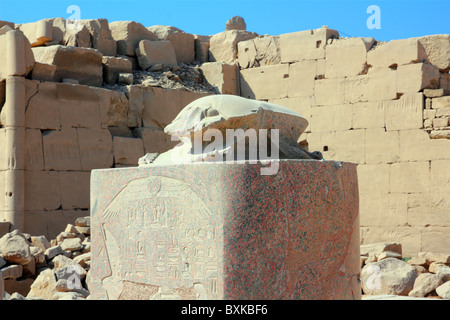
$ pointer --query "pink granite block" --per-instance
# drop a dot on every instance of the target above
(224, 231)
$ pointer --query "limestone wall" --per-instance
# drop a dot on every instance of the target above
(99, 96)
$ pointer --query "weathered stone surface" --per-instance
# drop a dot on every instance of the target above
(95, 148)
(259, 51)
(15, 248)
(305, 45)
(224, 77)
(113, 66)
(155, 140)
(83, 222)
(38, 33)
(269, 82)
(52, 252)
(100, 34)
(74, 189)
(404, 113)
(389, 276)
(246, 263)
(128, 34)
(437, 47)
(44, 72)
(223, 46)
(433, 93)
(61, 150)
(77, 37)
(44, 285)
(13, 271)
(125, 78)
(62, 285)
(424, 284)
(73, 244)
(23, 60)
(201, 44)
(236, 23)
(40, 242)
(155, 52)
(396, 53)
(82, 64)
(444, 290)
(416, 77)
(127, 151)
(182, 42)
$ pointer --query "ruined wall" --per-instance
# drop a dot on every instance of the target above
(99, 97)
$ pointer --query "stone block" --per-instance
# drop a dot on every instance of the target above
(95, 148)
(161, 106)
(383, 210)
(223, 46)
(20, 286)
(441, 102)
(373, 178)
(329, 92)
(78, 106)
(437, 48)
(182, 42)
(74, 187)
(356, 89)
(43, 109)
(155, 140)
(127, 151)
(34, 156)
(135, 95)
(347, 57)
(435, 239)
(155, 52)
(382, 84)
(351, 146)
(42, 190)
(305, 45)
(38, 33)
(429, 209)
(368, 115)
(61, 150)
(301, 78)
(404, 113)
(43, 72)
(77, 37)
(125, 78)
(101, 36)
(408, 177)
(13, 272)
(128, 34)
(82, 64)
(301, 105)
(259, 51)
(441, 122)
(269, 82)
(113, 108)
(331, 118)
(113, 66)
(444, 81)
(416, 145)
(323, 142)
(382, 146)
(224, 77)
(21, 59)
(396, 53)
(416, 77)
(222, 250)
(201, 48)
(6, 23)
(434, 93)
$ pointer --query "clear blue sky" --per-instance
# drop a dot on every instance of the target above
(399, 18)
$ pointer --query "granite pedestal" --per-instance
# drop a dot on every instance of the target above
(224, 231)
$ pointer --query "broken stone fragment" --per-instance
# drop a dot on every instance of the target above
(38, 33)
(128, 34)
(223, 46)
(15, 248)
(113, 66)
(155, 52)
(424, 284)
(236, 23)
(125, 78)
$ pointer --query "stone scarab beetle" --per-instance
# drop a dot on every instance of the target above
(222, 112)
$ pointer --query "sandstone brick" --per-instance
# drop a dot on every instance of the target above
(78, 106)
(382, 84)
(444, 81)
(347, 57)
(435, 239)
(82, 64)
(301, 105)
(12, 272)
(368, 115)
(356, 89)
(429, 114)
(155, 52)
(331, 118)
(43, 72)
(223, 46)
(135, 95)
(113, 108)
(61, 150)
(224, 77)
(42, 190)
(127, 151)
(407, 177)
(433, 93)
(416, 77)
(128, 34)
(428, 209)
(350, 146)
(182, 42)
(269, 82)
(329, 92)
(382, 146)
(373, 178)
(201, 48)
(385, 210)
(101, 36)
(301, 78)
(77, 37)
(441, 122)
(416, 145)
(95, 148)
(155, 140)
(38, 33)
(397, 53)
(441, 102)
(74, 189)
(34, 157)
(259, 51)
(43, 110)
(323, 142)
(305, 45)
(440, 134)
(113, 66)
(173, 101)
(405, 113)
(437, 47)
